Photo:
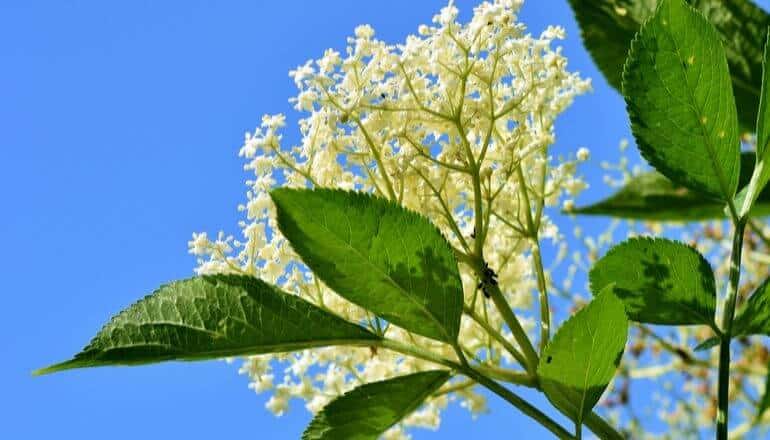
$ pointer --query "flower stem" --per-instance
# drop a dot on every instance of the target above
(533, 231)
(483, 380)
(593, 421)
(542, 288)
(723, 399)
(496, 335)
(519, 403)
(516, 329)
(601, 428)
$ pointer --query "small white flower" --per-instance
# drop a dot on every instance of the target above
(200, 244)
(364, 31)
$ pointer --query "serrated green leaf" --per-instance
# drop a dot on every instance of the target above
(212, 317)
(753, 318)
(762, 169)
(652, 196)
(661, 281)
(378, 255)
(608, 26)
(581, 359)
(369, 410)
(763, 118)
(677, 88)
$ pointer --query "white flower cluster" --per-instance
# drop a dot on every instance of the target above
(454, 123)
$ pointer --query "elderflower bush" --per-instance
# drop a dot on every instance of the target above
(401, 120)
(391, 264)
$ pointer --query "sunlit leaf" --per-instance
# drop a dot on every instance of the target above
(661, 281)
(677, 88)
(369, 410)
(213, 317)
(652, 196)
(762, 169)
(378, 255)
(581, 359)
(608, 26)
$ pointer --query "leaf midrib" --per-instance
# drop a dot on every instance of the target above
(89, 358)
(246, 349)
(584, 393)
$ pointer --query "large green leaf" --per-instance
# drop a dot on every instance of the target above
(608, 26)
(762, 169)
(369, 410)
(378, 255)
(753, 318)
(652, 196)
(211, 317)
(661, 281)
(581, 359)
(677, 88)
(763, 119)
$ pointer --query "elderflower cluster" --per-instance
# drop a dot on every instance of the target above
(457, 117)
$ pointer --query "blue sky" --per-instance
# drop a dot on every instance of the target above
(119, 129)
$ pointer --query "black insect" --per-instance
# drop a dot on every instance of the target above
(548, 361)
(488, 279)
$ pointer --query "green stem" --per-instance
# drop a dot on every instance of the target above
(593, 421)
(723, 400)
(601, 428)
(454, 388)
(496, 335)
(532, 229)
(505, 375)
(416, 352)
(519, 403)
(542, 288)
(516, 329)
(724, 388)
(481, 379)
(378, 159)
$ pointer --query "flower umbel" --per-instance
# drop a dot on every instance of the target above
(455, 123)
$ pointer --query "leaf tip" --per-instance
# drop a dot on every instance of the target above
(55, 368)
(707, 344)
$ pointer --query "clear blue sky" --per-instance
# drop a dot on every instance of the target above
(119, 129)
